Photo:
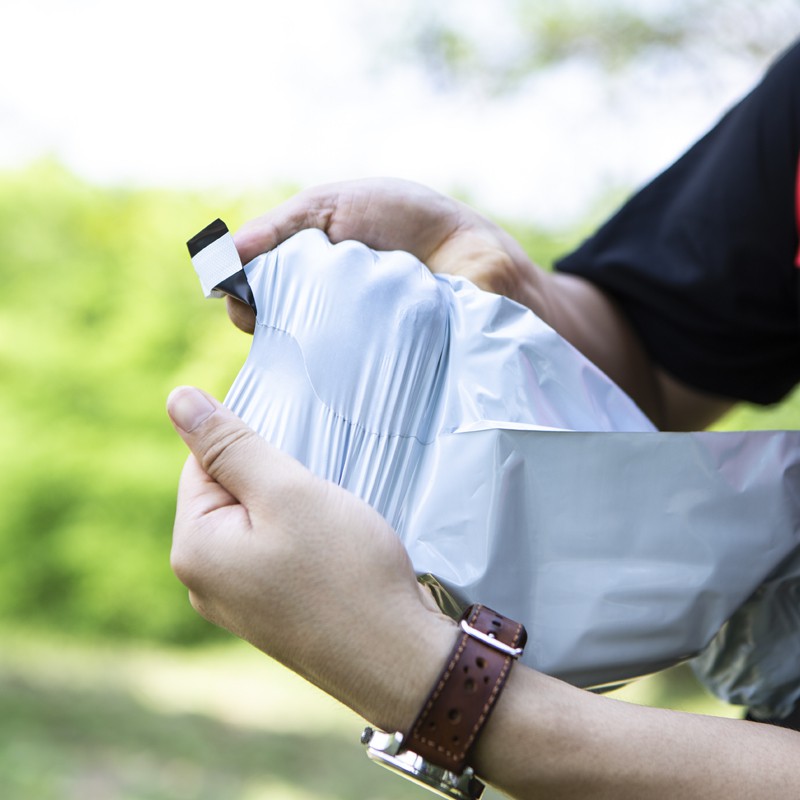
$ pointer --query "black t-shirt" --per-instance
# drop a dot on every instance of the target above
(703, 260)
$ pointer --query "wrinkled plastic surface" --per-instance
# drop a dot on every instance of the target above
(484, 439)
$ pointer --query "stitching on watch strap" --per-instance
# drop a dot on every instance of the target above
(435, 711)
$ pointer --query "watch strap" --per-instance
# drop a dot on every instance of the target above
(465, 693)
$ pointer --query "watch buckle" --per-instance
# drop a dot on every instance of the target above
(491, 640)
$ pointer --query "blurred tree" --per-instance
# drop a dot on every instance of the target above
(529, 36)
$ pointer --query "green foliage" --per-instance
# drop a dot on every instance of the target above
(100, 317)
(781, 416)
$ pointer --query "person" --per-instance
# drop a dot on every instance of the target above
(687, 298)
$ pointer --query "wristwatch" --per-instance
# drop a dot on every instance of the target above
(435, 751)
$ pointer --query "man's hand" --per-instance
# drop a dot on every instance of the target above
(302, 569)
(390, 214)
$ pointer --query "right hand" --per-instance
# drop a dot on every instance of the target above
(392, 214)
(450, 237)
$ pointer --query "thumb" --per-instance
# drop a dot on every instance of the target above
(226, 449)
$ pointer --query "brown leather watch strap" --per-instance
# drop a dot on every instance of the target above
(465, 693)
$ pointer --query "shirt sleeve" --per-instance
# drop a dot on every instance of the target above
(703, 260)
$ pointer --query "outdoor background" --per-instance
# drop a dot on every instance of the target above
(124, 129)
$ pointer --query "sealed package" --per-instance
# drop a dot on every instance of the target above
(517, 474)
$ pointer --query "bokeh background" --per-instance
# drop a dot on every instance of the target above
(124, 129)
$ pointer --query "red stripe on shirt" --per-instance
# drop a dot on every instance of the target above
(797, 210)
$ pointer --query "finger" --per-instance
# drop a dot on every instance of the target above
(207, 516)
(199, 494)
(313, 208)
(230, 452)
(385, 214)
(241, 315)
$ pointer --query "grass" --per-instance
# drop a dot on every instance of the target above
(99, 722)
(222, 722)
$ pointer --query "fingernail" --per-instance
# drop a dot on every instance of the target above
(188, 407)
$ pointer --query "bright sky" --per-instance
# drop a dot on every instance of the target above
(249, 92)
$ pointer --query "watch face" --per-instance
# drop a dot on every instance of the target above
(385, 749)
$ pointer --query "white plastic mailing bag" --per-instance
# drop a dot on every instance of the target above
(515, 472)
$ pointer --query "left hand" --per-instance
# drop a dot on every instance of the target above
(301, 568)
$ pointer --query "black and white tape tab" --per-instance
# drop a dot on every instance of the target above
(216, 230)
(214, 257)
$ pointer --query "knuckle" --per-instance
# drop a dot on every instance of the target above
(204, 608)
(198, 604)
(215, 459)
(183, 565)
(498, 276)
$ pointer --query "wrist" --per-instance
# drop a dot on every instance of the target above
(436, 750)
(405, 663)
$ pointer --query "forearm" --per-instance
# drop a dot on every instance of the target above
(576, 309)
(547, 739)
(590, 320)
(587, 318)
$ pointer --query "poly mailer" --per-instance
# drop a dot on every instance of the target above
(516, 473)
